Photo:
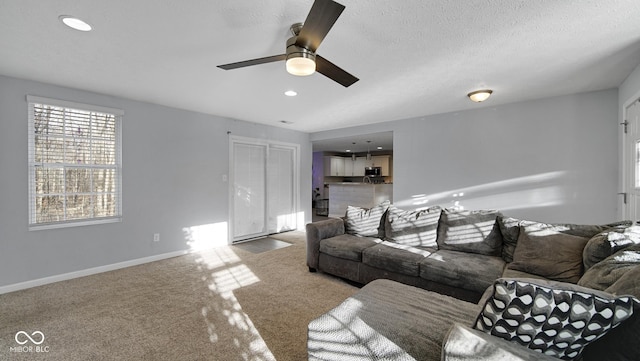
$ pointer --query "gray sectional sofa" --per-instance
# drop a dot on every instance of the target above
(445, 284)
(453, 252)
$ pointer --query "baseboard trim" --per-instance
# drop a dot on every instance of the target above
(88, 272)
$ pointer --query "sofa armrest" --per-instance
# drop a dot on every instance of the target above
(463, 343)
(318, 231)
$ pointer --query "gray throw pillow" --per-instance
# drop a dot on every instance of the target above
(412, 228)
(365, 222)
(553, 318)
(549, 253)
(470, 231)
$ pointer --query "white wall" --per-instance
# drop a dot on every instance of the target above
(553, 160)
(173, 163)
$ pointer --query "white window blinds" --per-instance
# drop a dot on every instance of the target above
(74, 163)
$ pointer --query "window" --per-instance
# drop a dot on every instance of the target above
(74, 164)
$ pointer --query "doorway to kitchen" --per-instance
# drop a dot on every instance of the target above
(354, 170)
(263, 187)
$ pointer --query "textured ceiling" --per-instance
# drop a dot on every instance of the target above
(413, 57)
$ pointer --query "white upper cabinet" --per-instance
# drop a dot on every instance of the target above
(384, 162)
(358, 166)
(334, 166)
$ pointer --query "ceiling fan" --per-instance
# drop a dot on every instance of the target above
(301, 58)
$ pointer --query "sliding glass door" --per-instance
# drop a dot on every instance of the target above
(264, 191)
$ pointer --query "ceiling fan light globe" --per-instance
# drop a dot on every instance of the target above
(301, 66)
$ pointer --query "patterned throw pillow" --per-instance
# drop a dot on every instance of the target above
(365, 222)
(553, 318)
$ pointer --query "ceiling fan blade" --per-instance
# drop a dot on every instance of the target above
(242, 64)
(322, 16)
(334, 72)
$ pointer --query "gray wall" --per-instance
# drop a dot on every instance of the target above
(553, 160)
(173, 164)
(630, 88)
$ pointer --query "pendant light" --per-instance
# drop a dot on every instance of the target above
(368, 151)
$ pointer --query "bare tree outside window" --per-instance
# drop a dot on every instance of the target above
(74, 164)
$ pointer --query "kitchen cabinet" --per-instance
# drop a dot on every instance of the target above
(348, 167)
(384, 162)
(358, 166)
(334, 166)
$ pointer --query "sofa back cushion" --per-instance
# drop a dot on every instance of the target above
(608, 242)
(618, 273)
(470, 231)
(553, 318)
(412, 228)
(365, 222)
(510, 229)
(549, 253)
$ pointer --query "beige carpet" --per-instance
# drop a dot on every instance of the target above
(220, 304)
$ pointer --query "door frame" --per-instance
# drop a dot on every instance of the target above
(233, 139)
(626, 171)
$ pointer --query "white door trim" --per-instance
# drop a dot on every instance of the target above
(625, 161)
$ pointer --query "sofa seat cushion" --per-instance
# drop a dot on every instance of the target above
(512, 273)
(395, 258)
(470, 271)
(360, 328)
(347, 246)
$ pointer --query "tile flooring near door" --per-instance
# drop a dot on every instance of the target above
(262, 245)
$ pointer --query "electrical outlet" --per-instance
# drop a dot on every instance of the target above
(156, 237)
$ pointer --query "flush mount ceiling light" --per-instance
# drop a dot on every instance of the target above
(74, 23)
(300, 61)
(480, 95)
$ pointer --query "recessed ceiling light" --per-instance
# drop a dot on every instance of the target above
(74, 23)
(379, 148)
(286, 122)
(348, 150)
(290, 93)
